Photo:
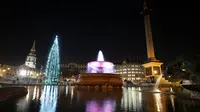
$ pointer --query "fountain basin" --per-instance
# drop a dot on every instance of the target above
(100, 67)
(100, 79)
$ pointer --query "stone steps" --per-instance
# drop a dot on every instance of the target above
(164, 81)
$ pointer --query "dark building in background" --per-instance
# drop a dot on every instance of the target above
(72, 69)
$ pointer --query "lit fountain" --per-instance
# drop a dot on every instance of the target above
(100, 73)
(157, 84)
(100, 66)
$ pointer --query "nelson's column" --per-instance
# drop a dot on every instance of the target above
(152, 66)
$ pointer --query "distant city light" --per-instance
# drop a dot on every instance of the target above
(22, 72)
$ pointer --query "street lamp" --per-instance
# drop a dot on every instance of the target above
(22, 72)
(4, 70)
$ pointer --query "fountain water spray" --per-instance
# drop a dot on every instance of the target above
(157, 83)
(100, 56)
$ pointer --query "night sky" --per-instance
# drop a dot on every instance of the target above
(86, 26)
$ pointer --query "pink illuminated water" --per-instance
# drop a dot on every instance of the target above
(100, 66)
(105, 106)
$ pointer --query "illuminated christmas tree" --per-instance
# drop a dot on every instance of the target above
(52, 70)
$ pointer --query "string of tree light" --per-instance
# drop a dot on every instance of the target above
(52, 70)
